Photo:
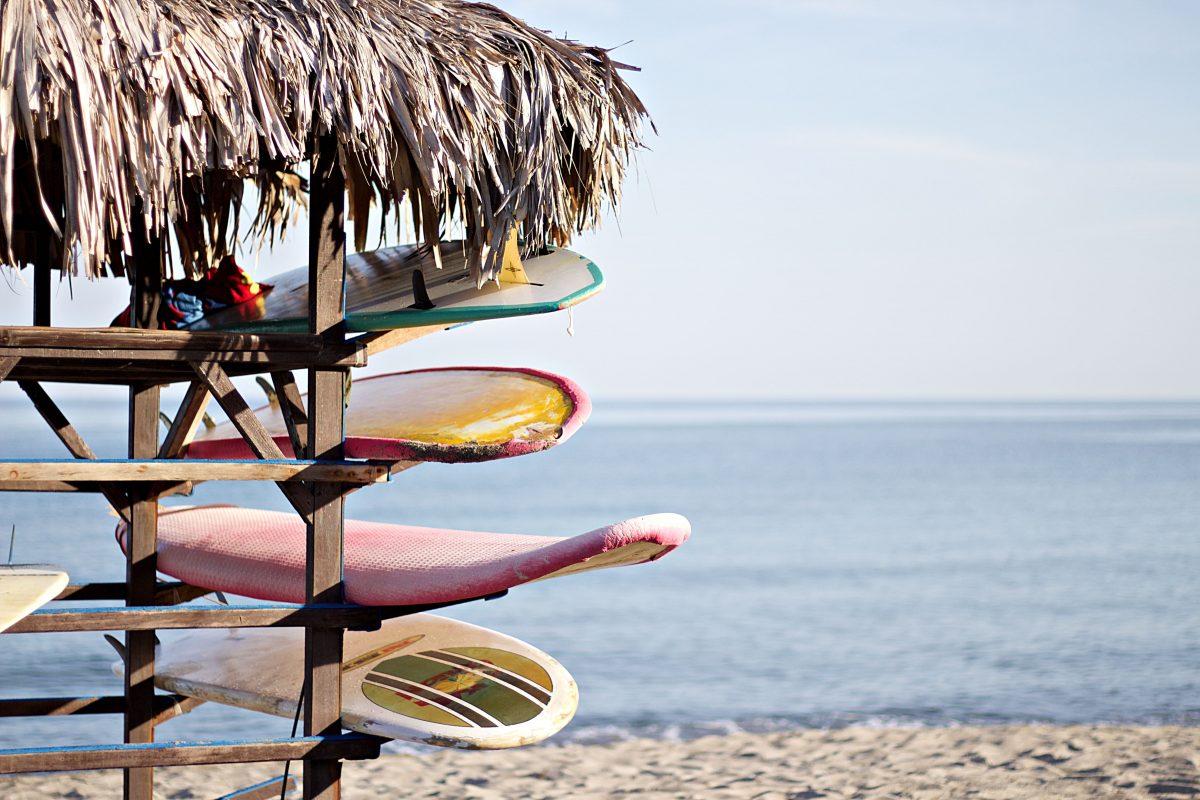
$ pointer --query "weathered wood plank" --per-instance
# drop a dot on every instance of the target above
(57, 420)
(74, 443)
(165, 706)
(147, 618)
(141, 569)
(386, 340)
(138, 339)
(326, 434)
(267, 790)
(187, 419)
(181, 488)
(41, 284)
(249, 426)
(351, 746)
(105, 367)
(6, 365)
(181, 470)
(167, 593)
(239, 412)
(291, 406)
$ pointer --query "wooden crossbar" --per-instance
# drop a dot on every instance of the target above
(148, 618)
(350, 746)
(166, 706)
(65, 471)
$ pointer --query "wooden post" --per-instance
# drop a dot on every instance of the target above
(326, 392)
(142, 551)
(140, 590)
(41, 286)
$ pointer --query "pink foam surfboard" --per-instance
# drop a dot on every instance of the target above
(449, 415)
(260, 554)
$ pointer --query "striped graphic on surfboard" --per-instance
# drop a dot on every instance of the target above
(420, 678)
(477, 687)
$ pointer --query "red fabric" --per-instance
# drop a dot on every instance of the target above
(225, 285)
(229, 284)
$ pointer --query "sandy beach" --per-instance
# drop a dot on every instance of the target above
(999, 762)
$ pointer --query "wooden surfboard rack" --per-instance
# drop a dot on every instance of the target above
(145, 360)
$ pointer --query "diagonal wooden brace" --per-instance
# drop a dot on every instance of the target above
(6, 365)
(292, 408)
(251, 428)
(187, 419)
(70, 437)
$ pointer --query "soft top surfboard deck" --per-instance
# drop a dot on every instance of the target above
(449, 415)
(382, 292)
(260, 554)
(420, 678)
(24, 588)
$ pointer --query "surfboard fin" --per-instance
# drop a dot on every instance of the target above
(420, 292)
(118, 646)
(268, 390)
(511, 268)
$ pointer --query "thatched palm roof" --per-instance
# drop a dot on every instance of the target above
(115, 110)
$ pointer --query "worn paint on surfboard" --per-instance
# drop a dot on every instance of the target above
(380, 293)
(453, 415)
(421, 678)
(24, 588)
(260, 554)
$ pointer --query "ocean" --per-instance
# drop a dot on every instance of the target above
(850, 563)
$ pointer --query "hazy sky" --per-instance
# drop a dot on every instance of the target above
(876, 200)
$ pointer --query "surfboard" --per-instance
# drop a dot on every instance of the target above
(420, 678)
(260, 554)
(401, 287)
(456, 415)
(24, 588)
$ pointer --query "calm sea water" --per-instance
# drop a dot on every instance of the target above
(850, 563)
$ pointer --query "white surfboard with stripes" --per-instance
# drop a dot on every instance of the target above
(421, 678)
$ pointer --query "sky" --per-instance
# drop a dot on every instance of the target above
(872, 200)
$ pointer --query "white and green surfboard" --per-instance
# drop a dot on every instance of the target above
(421, 678)
(402, 287)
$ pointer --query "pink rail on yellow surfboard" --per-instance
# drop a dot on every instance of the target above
(450, 415)
(260, 554)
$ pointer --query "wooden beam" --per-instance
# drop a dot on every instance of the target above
(267, 790)
(149, 618)
(181, 488)
(165, 342)
(75, 443)
(6, 365)
(187, 419)
(352, 746)
(141, 562)
(291, 406)
(378, 342)
(57, 421)
(168, 593)
(166, 706)
(326, 434)
(179, 470)
(240, 414)
(249, 426)
(41, 283)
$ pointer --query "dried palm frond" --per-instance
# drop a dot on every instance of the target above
(164, 108)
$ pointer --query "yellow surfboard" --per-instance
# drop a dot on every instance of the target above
(454, 415)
